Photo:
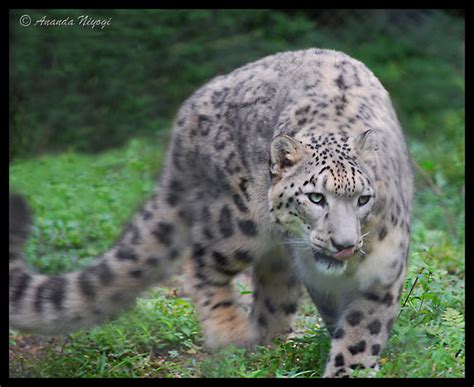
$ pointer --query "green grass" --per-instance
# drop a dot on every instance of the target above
(159, 329)
(81, 201)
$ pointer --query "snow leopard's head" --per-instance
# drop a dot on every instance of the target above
(321, 194)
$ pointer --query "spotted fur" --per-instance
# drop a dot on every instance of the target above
(295, 165)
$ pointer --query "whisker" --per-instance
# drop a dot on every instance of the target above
(294, 243)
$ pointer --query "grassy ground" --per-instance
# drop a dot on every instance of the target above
(81, 201)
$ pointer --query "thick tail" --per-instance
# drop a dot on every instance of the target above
(149, 250)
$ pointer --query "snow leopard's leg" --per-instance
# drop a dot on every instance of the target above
(211, 271)
(226, 241)
(364, 326)
(149, 250)
(277, 292)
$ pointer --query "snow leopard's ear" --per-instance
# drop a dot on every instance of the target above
(285, 152)
(366, 141)
(366, 145)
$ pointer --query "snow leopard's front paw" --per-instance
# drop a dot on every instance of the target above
(345, 371)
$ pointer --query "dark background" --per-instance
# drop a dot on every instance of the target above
(83, 89)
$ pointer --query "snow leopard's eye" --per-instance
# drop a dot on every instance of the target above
(317, 198)
(363, 200)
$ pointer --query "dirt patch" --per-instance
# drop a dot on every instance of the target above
(26, 351)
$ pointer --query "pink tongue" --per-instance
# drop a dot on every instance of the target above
(344, 253)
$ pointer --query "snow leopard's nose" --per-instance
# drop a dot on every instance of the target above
(344, 249)
(343, 245)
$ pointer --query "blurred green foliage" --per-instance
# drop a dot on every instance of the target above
(77, 88)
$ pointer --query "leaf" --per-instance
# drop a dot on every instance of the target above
(453, 318)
